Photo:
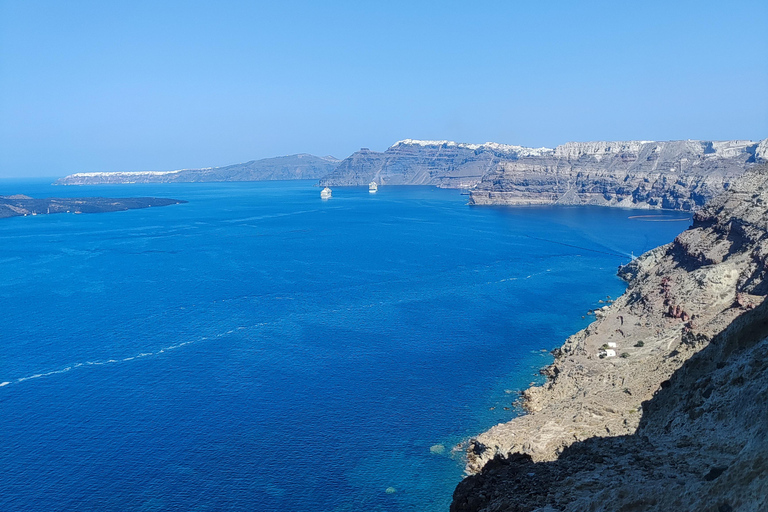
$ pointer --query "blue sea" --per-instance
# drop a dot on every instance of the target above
(259, 348)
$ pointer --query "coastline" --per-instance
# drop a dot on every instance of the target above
(680, 300)
(23, 206)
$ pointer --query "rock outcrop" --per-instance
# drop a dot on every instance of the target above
(678, 419)
(21, 205)
(293, 167)
(425, 162)
(680, 175)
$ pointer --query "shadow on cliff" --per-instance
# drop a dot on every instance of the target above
(691, 433)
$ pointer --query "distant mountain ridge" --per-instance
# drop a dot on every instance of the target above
(680, 175)
(293, 167)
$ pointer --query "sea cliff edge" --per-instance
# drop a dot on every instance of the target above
(662, 402)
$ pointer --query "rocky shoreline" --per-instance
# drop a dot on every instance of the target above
(662, 402)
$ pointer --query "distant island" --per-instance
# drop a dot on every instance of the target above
(675, 175)
(21, 205)
(292, 167)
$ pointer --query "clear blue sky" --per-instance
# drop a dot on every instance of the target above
(114, 85)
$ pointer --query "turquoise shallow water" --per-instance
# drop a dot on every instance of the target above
(261, 349)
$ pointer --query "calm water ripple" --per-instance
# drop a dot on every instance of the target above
(260, 349)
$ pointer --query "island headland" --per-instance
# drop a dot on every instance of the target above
(662, 402)
(21, 205)
(292, 167)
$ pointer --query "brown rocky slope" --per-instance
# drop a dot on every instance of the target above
(678, 419)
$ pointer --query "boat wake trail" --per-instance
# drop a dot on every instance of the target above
(112, 361)
(608, 252)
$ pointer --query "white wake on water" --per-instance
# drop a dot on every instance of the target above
(116, 361)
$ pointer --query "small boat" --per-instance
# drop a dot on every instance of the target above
(325, 193)
(373, 187)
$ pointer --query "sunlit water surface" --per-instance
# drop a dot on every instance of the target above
(261, 349)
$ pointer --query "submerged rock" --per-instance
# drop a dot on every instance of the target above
(438, 449)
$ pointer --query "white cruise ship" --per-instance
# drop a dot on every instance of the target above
(325, 193)
(373, 187)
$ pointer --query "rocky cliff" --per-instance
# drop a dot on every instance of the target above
(679, 175)
(293, 167)
(425, 162)
(662, 402)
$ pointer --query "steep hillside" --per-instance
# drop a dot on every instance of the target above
(424, 162)
(679, 175)
(678, 418)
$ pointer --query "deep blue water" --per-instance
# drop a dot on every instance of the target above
(261, 349)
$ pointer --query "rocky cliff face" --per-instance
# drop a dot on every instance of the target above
(678, 419)
(679, 175)
(418, 162)
(293, 167)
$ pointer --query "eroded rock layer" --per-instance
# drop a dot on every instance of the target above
(415, 162)
(680, 175)
(677, 419)
(674, 175)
